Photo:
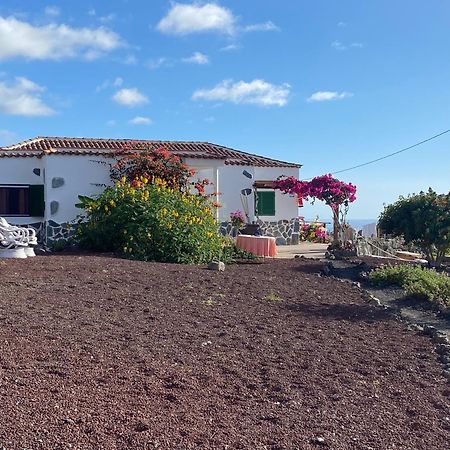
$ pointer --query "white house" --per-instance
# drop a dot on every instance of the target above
(41, 178)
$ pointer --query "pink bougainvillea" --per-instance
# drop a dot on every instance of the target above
(326, 188)
(335, 193)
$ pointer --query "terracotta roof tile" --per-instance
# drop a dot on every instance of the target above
(41, 146)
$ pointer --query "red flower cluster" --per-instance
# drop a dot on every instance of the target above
(200, 186)
(152, 163)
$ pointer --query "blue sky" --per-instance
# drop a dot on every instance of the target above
(327, 84)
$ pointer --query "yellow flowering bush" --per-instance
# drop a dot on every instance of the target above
(150, 221)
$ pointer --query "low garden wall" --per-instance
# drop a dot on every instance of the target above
(51, 232)
(58, 231)
(374, 246)
(286, 232)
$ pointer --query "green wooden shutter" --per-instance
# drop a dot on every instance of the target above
(36, 200)
(266, 203)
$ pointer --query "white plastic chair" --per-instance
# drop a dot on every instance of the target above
(16, 242)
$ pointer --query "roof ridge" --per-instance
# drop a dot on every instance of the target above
(21, 143)
(250, 154)
(89, 145)
(76, 138)
(67, 138)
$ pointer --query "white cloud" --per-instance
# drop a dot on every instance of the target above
(230, 47)
(139, 120)
(130, 97)
(53, 41)
(23, 98)
(338, 45)
(111, 123)
(256, 92)
(266, 26)
(117, 82)
(197, 58)
(92, 12)
(201, 17)
(194, 18)
(107, 18)
(342, 24)
(52, 11)
(129, 60)
(324, 96)
(159, 62)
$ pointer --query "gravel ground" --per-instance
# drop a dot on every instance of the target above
(104, 353)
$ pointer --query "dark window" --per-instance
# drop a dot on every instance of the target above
(22, 200)
(265, 203)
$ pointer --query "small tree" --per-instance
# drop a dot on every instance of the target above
(423, 220)
(335, 193)
(155, 163)
(152, 163)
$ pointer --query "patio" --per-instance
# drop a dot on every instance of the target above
(306, 249)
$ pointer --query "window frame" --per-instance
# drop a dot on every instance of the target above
(30, 208)
(257, 208)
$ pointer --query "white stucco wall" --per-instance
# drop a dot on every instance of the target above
(205, 168)
(81, 176)
(286, 206)
(232, 181)
(19, 171)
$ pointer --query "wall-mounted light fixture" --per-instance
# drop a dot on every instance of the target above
(247, 174)
(37, 172)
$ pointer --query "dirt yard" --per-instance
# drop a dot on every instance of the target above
(103, 353)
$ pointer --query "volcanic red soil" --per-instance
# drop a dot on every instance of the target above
(105, 353)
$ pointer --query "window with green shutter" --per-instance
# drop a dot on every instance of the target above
(265, 203)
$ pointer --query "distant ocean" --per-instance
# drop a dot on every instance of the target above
(357, 224)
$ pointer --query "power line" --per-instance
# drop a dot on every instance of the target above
(391, 154)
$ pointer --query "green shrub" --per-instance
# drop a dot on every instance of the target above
(231, 253)
(417, 281)
(60, 245)
(423, 220)
(151, 222)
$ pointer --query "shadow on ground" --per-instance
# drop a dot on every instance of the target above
(349, 312)
(313, 267)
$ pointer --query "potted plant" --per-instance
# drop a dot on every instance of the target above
(237, 220)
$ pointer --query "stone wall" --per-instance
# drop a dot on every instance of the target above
(51, 232)
(366, 246)
(286, 232)
(226, 229)
(58, 232)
